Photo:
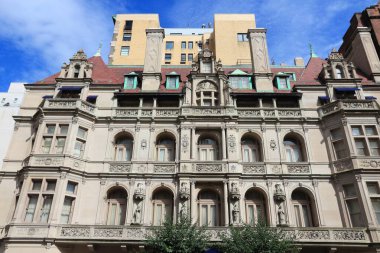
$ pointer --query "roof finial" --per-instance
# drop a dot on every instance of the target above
(98, 52)
(312, 53)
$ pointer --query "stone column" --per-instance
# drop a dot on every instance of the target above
(224, 145)
(260, 60)
(193, 202)
(226, 209)
(193, 144)
(152, 62)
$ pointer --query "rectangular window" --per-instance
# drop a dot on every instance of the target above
(190, 57)
(68, 203)
(190, 45)
(54, 138)
(129, 82)
(80, 142)
(374, 146)
(206, 67)
(36, 184)
(50, 185)
(374, 194)
(366, 140)
(171, 82)
(127, 37)
(128, 25)
(352, 203)
(169, 45)
(124, 51)
(183, 45)
(373, 188)
(31, 209)
(376, 208)
(168, 57)
(183, 58)
(242, 37)
(46, 207)
(71, 188)
(282, 83)
(338, 142)
(240, 82)
(360, 147)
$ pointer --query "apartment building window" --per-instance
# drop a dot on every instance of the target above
(123, 148)
(293, 149)
(255, 207)
(162, 201)
(183, 58)
(366, 139)
(117, 206)
(128, 25)
(183, 45)
(168, 58)
(374, 194)
(165, 148)
(250, 150)
(339, 72)
(40, 200)
(54, 138)
(208, 208)
(127, 37)
(338, 143)
(190, 57)
(240, 82)
(302, 208)
(190, 45)
(208, 149)
(68, 202)
(242, 37)
(80, 142)
(124, 51)
(352, 203)
(169, 45)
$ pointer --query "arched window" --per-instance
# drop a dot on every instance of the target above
(303, 209)
(207, 94)
(339, 72)
(116, 206)
(162, 206)
(76, 71)
(123, 148)
(250, 150)
(208, 149)
(293, 149)
(165, 147)
(209, 208)
(255, 207)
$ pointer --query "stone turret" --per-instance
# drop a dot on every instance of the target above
(79, 67)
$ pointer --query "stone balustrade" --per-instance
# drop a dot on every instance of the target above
(348, 105)
(69, 103)
(94, 233)
(352, 163)
(170, 112)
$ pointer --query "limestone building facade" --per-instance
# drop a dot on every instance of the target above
(103, 153)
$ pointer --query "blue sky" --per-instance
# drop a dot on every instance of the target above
(37, 36)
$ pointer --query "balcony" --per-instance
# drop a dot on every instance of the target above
(68, 104)
(348, 105)
(170, 112)
(94, 233)
(354, 163)
(270, 113)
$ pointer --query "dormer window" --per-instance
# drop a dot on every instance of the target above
(339, 73)
(76, 71)
(240, 80)
(172, 81)
(130, 81)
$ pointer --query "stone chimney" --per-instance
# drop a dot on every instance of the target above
(299, 62)
(260, 60)
(152, 64)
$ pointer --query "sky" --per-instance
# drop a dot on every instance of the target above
(38, 36)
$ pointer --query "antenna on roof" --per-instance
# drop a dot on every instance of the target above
(273, 62)
(312, 53)
(98, 52)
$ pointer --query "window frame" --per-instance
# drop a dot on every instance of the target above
(134, 82)
(348, 198)
(53, 147)
(168, 150)
(364, 136)
(169, 78)
(125, 50)
(169, 45)
(127, 36)
(82, 140)
(209, 203)
(242, 37)
(340, 140)
(72, 197)
(240, 82)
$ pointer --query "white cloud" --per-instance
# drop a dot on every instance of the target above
(52, 30)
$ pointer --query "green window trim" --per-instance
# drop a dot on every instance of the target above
(287, 82)
(126, 79)
(294, 77)
(240, 85)
(176, 82)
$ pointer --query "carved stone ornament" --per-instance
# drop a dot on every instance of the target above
(185, 142)
(370, 163)
(234, 192)
(254, 169)
(279, 194)
(139, 192)
(209, 168)
(120, 168)
(231, 143)
(272, 145)
(143, 143)
(298, 169)
(184, 191)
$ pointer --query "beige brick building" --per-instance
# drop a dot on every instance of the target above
(102, 153)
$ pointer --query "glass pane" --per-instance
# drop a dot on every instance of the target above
(255, 155)
(246, 155)
(82, 133)
(250, 215)
(204, 215)
(373, 188)
(282, 83)
(158, 215)
(123, 209)
(60, 145)
(112, 214)
(370, 130)
(213, 216)
(360, 146)
(349, 190)
(212, 154)
(356, 130)
(63, 129)
(45, 211)
(374, 145)
(203, 155)
(50, 185)
(171, 82)
(36, 184)
(50, 129)
(71, 187)
(47, 144)
(30, 210)
(336, 134)
(128, 154)
(354, 210)
(306, 217)
(289, 157)
(340, 149)
(78, 149)
(260, 213)
(298, 215)
(376, 208)
(161, 156)
(66, 210)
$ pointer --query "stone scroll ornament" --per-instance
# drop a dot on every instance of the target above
(279, 197)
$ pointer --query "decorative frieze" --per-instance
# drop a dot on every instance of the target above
(77, 232)
(349, 235)
(298, 169)
(254, 169)
(108, 232)
(126, 112)
(249, 113)
(44, 161)
(374, 164)
(168, 168)
(289, 113)
(209, 168)
(343, 165)
(167, 112)
(120, 168)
